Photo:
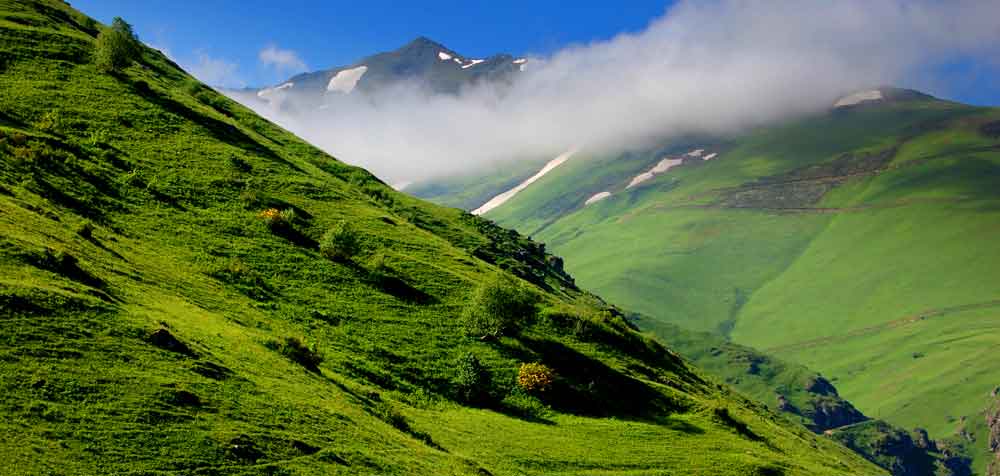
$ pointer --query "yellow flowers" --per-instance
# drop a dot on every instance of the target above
(270, 214)
(276, 219)
(535, 377)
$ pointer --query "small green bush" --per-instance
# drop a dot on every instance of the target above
(499, 306)
(240, 164)
(388, 413)
(293, 348)
(85, 230)
(116, 47)
(378, 264)
(472, 381)
(340, 242)
(50, 122)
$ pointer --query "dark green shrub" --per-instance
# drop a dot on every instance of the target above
(294, 349)
(388, 413)
(240, 164)
(50, 122)
(244, 279)
(116, 47)
(378, 264)
(85, 230)
(340, 242)
(499, 306)
(472, 381)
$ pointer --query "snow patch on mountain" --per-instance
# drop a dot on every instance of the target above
(520, 61)
(710, 156)
(472, 63)
(265, 93)
(346, 80)
(444, 56)
(858, 98)
(696, 152)
(503, 197)
(597, 197)
(661, 167)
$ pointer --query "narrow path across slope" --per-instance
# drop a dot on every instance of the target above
(683, 202)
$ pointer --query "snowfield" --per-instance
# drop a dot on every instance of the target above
(444, 56)
(264, 93)
(346, 80)
(503, 197)
(858, 98)
(597, 197)
(472, 63)
(663, 166)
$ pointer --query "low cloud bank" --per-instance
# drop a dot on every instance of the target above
(713, 67)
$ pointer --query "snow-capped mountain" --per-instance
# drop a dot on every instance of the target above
(421, 62)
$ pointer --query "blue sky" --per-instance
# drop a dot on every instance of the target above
(262, 42)
(225, 38)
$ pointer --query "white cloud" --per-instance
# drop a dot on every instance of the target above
(705, 67)
(284, 61)
(215, 71)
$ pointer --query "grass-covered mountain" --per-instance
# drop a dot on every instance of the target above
(811, 399)
(165, 307)
(860, 243)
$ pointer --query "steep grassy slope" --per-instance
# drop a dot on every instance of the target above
(860, 243)
(154, 324)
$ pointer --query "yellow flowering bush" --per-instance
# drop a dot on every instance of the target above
(535, 377)
(275, 218)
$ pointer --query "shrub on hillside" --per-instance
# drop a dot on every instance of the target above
(535, 377)
(116, 47)
(277, 219)
(472, 381)
(85, 230)
(340, 242)
(307, 356)
(499, 306)
(240, 164)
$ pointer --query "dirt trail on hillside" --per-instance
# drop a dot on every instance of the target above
(684, 202)
(910, 319)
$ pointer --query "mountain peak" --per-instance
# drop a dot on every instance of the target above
(422, 43)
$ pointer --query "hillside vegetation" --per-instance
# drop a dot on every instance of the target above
(187, 289)
(859, 242)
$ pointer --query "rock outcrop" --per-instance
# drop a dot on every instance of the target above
(993, 428)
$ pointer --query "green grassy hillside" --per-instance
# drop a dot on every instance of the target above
(154, 323)
(859, 243)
